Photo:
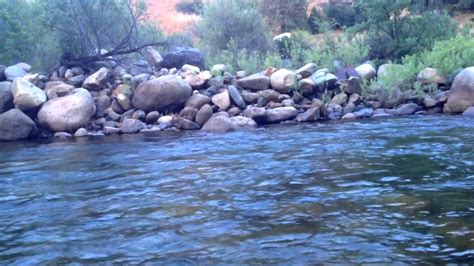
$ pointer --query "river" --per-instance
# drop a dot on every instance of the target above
(375, 191)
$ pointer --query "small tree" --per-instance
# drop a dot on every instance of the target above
(285, 15)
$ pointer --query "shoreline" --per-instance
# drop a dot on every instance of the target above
(72, 103)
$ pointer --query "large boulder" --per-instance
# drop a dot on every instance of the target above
(280, 114)
(15, 125)
(27, 96)
(219, 123)
(98, 80)
(68, 113)
(6, 96)
(258, 114)
(366, 71)
(461, 95)
(256, 82)
(161, 94)
(152, 56)
(282, 80)
(17, 71)
(180, 56)
(430, 75)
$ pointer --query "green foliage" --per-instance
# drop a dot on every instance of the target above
(447, 56)
(16, 22)
(284, 15)
(241, 59)
(324, 49)
(315, 21)
(190, 6)
(340, 15)
(398, 28)
(236, 22)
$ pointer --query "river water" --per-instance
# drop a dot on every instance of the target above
(376, 191)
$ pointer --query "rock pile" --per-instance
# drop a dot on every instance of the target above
(147, 97)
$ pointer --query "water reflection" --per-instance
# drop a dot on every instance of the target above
(381, 191)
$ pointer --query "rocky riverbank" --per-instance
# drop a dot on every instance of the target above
(173, 92)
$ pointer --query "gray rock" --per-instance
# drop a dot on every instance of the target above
(339, 99)
(222, 100)
(430, 75)
(236, 97)
(352, 85)
(111, 130)
(68, 113)
(97, 80)
(258, 114)
(27, 96)
(461, 95)
(243, 122)
(152, 56)
(218, 123)
(204, 114)
(102, 103)
(189, 113)
(124, 101)
(307, 70)
(185, 124)
(62, 135)
(366, 71)
(311, 115)
(6, 96)
(81, 132)
(131, 126)
(180, 56)
(364, 113)
(2, 73)
(166, 93)
(55, 89)
(15, 125)
(17, 71)
(407, 109)
(152, 117)
(349, 116)
(139, 115)
(254, 82)
(469, 111)
(280, 114)
(283, 80)
(197, 101)
(349, 108)
(76, 81)
(250, 97)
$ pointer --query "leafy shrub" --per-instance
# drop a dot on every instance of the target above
(284, 15)
(340, 15)
(190, 6)
(394, 29)
(325, 49)
(238, 22)
(315, 20)
(241, 59)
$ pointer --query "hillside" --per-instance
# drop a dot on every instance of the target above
(170, 21)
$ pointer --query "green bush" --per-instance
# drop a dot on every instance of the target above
(340, 15)
(395, 29)
(241, 59)
(284, 15)
(324, 49)
(238, 22)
